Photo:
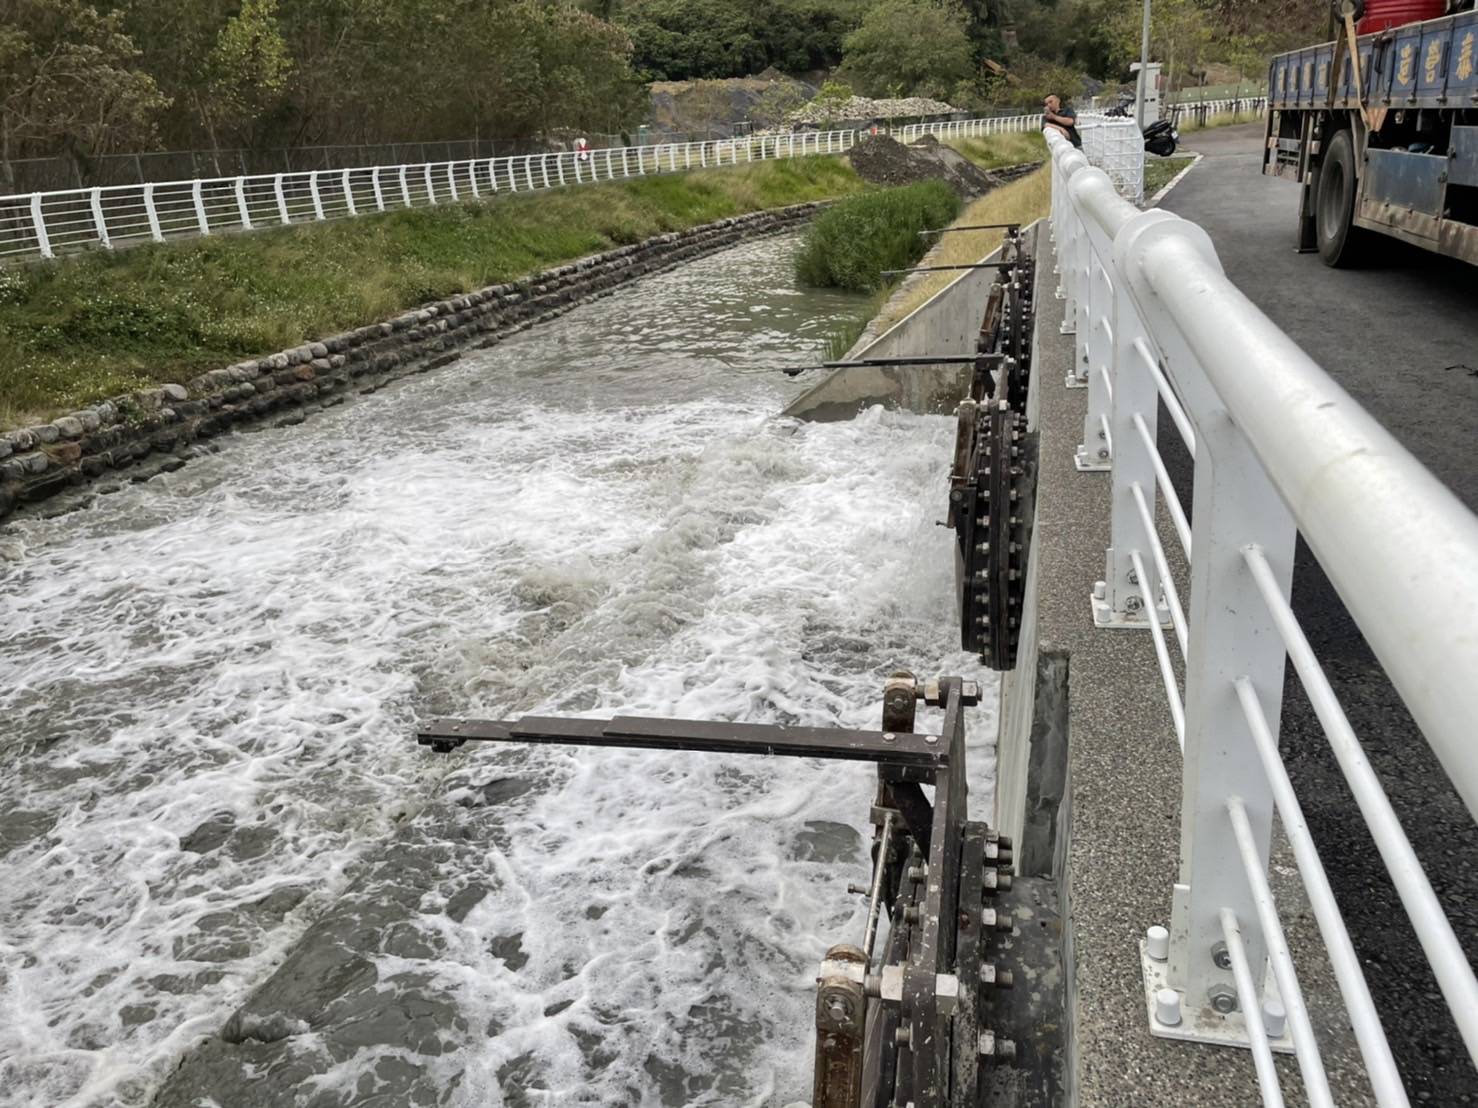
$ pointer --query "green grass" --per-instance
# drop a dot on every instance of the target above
(1158, 172)
(92, 326)
(849, 245)
(995, 151)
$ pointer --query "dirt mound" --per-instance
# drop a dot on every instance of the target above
(884, 161)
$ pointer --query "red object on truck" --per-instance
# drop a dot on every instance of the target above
(1381, 15)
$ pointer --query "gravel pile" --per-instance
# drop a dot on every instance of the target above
(883, 161)
(862, 108)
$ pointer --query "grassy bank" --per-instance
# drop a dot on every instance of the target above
(996, 151)
(1159, 172)
(850, 245)
(1019, 202)
(90, 327)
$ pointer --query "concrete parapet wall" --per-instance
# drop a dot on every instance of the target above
(157, 430)
(947, 323)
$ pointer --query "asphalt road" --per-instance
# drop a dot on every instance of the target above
(1402, 338)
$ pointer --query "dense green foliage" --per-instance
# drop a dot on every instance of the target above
(89, 77)
(676, 40)
(104, 323)
(96, 76)
(849, 245)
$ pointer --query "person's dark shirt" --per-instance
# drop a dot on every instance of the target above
(1073, 137)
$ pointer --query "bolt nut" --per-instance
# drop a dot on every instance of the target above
(1132, 604)
(1223, 998)
(1274, 1019)
(1103, 454)
(1167, 1007)
(1221, 956)
(1157, 943)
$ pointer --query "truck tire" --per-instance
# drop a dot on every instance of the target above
(1341, 243)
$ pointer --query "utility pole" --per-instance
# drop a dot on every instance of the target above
(1144, 68)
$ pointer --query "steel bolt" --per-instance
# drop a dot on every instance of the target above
(1221, 956)
(1223, 998)
(888, 736)
(1132, 604)
(918, 873)
(903, 1036)
(836, 1008)
(1157, 943)
(1100, 589)
(1133, 577)
(931, 739)
(1274, 1019)
(1167, 1007)
(1103, 454)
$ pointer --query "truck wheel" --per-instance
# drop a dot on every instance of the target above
(1340, 242)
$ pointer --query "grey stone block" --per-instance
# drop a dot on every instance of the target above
(175, 392)
(68, 427)
(45, 433)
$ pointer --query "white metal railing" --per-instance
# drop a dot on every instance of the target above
(45, 224)
(1279, 450)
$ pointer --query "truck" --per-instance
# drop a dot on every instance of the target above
(1381, 130)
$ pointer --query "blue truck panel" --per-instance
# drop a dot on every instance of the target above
(1424, 65)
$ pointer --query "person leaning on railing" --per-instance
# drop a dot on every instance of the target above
(1061, 119)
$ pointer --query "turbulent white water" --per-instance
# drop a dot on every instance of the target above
(208, 685)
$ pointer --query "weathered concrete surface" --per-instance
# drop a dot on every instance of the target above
(947, 323)
(1120, 854)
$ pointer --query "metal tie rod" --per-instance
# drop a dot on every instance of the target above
(974, 227)
(1011, 264)
(862, 363)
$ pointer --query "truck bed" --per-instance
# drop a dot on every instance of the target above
(1423, 65)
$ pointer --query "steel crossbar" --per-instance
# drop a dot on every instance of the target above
(1279, 450)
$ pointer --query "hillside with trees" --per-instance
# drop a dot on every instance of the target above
(83, 78)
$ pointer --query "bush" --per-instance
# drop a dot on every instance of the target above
(850, 245)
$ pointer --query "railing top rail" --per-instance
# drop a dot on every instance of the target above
(1398, 546)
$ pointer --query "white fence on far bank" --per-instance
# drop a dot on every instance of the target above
(46, 224)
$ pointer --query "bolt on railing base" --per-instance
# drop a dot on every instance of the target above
(1104, 615)
(1199, 1022)
(1085, 460)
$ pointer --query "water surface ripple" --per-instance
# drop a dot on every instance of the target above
(209, 682)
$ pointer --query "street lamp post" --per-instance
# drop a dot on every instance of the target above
(1144, 68)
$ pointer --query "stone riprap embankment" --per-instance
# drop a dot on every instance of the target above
(140, 435)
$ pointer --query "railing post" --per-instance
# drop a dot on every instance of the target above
(317, 199)
(379, 192)
(150, 212)
(559, 169)
(277, 191)
(702, 155)
(430, 187)
(472, 180)
(1231, 635)
(451, 180)
(493, 173)
(348, 188)
(95, 198)
(242, 208)
(1133, 405)
(1093, 350)
(38, 224)
(544, 170)
(610, 173)
(405, 185)
(197, 197)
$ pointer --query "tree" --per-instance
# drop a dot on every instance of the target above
(909, 48)
(68, 79)
(247, 71)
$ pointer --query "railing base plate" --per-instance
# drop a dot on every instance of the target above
(1199, 1022)
(1104, 616)
(1082, 459)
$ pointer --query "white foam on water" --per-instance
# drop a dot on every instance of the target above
(209, 684)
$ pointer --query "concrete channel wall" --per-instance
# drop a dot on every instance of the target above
(1088, 779)
(947, 323)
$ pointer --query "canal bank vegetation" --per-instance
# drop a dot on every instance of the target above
(1021, 202)
(851, 244)
(95, 326)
